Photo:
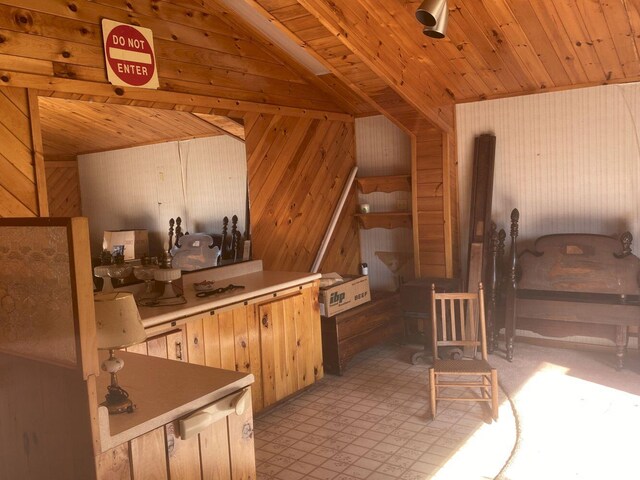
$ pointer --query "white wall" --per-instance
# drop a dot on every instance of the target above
(200, 180)
(567, 160)
(384, 149)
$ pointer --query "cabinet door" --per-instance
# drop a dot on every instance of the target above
(226, 339)
(167, 345)
(164, 345)
(291, 351)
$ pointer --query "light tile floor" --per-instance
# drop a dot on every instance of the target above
(374, 423)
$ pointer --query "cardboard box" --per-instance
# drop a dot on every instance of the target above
(341, 296)
(136, 242)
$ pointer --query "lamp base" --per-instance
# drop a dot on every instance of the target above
(117, 401)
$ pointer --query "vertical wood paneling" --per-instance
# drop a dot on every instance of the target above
(18, 185)
(434, 196)
(200, 180)
(383, 149)
(567, 160)
(148, 453)
(297, 169)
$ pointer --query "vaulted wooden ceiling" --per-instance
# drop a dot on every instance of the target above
(374, 50)
(493, 48)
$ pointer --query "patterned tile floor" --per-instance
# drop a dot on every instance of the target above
(374, 423)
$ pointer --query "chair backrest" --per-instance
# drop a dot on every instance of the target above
(457, 320)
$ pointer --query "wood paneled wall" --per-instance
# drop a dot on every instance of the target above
(297, 170)
(435, 202)
(63, 188)
(198, 53)
(21, 162)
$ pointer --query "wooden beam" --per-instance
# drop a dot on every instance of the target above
(110, 92)
(38, 157)
(224, 124)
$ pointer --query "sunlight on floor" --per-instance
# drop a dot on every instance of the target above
(373, 423)
(573, 428)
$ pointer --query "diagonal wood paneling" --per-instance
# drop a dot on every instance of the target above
(63, 189)
(18, 189)
(297, 169)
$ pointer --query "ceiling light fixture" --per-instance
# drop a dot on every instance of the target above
(433, 14)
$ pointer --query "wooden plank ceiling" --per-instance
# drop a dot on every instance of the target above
(377, 56)
(71, 127)
(493, 49)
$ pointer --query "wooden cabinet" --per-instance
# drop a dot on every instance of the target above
(351, 332)
(290, 345)
(148, 444)
(275, 337)
(165, 345)
(223, 450)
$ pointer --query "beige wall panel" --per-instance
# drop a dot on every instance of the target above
(200, 180)
(383, 149)
(567, 160)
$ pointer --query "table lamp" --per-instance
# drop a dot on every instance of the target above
(118, 326)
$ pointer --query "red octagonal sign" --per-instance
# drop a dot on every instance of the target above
(129, 55)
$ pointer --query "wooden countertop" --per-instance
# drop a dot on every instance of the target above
(163, 391)
(255, 284)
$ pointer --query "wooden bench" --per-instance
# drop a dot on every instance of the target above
(360, 328)
(573, 284)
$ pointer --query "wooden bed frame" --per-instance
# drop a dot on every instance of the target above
(573, 284)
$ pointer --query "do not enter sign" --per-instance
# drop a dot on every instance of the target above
(129, 55)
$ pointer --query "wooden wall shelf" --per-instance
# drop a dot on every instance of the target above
(386, 184)
(385, 220)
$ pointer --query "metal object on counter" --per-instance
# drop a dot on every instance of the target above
(228, 288)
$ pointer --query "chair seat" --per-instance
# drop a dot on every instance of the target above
(462, 366)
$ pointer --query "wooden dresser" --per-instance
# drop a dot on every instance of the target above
(362, 327)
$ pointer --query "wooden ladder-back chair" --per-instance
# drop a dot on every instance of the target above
(458, 322)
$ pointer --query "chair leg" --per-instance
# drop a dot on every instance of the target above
(494, 393)
(485, 386)
(432, 392)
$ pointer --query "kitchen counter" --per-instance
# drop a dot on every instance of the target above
(270, 328)
(256, 283)
(163, 391)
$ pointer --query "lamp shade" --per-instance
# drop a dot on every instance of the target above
(429, 11)
(118, 320)
(440, 28)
